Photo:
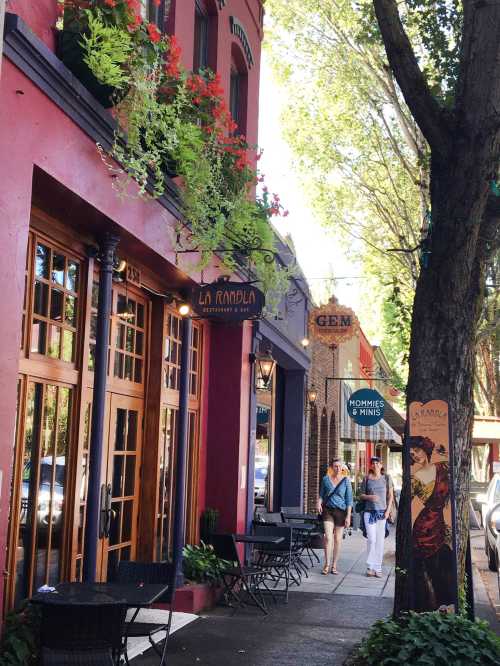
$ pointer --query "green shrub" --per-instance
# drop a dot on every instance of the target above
(19, 642)
(428, 639)
(201, 564)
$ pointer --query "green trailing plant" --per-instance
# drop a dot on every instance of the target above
(200, 563)
(107, 48)
(19, 643)
(427, 639)
(175, 122)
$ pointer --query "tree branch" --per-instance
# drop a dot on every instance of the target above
(423, 106)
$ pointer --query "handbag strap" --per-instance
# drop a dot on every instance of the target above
(335, 489)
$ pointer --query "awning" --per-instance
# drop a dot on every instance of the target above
(486, 429)
(380, 432)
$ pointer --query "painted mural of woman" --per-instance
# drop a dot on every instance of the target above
(431, 534)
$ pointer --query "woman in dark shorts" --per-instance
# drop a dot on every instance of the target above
(335, 505)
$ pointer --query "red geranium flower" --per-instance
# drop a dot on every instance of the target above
(153, 32)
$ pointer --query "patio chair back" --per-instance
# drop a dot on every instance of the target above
(148, 573)
(290, 509)
(225, 548)
(73, 626)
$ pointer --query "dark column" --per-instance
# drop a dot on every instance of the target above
(182, 446)
(107, 254)
(252, 433)
(292, 491)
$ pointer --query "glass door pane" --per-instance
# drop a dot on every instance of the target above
(46, 442)
(123, 475)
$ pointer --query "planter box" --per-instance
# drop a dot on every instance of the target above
(194, 598)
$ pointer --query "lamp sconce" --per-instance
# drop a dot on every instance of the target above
(181, 305)
(305, 342)
(264, 369)
(311, 397)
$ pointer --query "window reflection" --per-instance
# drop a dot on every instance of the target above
(46, 445)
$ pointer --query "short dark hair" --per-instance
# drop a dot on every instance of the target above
(334, 460)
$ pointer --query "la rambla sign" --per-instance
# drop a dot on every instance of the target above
(366, 407)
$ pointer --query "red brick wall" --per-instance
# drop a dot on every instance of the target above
(322, 420)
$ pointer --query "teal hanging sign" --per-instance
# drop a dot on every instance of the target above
(366, 407)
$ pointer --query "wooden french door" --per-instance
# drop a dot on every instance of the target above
(120, 484)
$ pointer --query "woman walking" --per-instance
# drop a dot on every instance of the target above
(378, 494)
(335, 506)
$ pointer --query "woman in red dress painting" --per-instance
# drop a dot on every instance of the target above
(432, 543)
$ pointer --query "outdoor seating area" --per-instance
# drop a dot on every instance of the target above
(279, 552)
(91, 624)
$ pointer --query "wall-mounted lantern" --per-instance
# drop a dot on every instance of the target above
(264, 368)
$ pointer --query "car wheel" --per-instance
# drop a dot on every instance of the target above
(492, 560)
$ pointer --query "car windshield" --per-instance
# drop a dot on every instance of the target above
(261, 473)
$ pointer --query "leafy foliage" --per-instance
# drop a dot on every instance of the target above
(201, 564)
(428, 639)
(19, 644)
(363, 160)
(107, 49)
(176, 122)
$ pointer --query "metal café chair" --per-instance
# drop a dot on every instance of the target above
(148, 573)
(310, 540)
(82, 634)
(277, 560)
(238, 579)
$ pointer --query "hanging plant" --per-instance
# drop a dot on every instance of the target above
(171, 121)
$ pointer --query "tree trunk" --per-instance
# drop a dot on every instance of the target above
(464, 143)
(447, 304)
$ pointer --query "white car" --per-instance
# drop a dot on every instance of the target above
(490, 512)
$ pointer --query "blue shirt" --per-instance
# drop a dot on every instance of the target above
(341, 499)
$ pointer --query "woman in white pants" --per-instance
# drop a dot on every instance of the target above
(378, 495)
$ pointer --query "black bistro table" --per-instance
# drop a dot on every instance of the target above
(134, 595)
(85, 595)
(259, 539)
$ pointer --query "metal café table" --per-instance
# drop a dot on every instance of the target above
(133, 595)
(259, 539)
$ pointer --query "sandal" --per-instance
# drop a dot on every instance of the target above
(334, 571)
(325, 571)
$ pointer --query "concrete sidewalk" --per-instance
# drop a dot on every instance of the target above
(324, 619)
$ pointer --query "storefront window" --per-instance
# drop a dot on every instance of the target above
(46, 442)
(55, 303)
(262, 456)
(168, 432)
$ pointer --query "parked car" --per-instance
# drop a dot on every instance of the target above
(45, 498)
(490, 513)
(260, 484)
(497, 550)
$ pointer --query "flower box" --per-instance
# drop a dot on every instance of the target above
(195, 597)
